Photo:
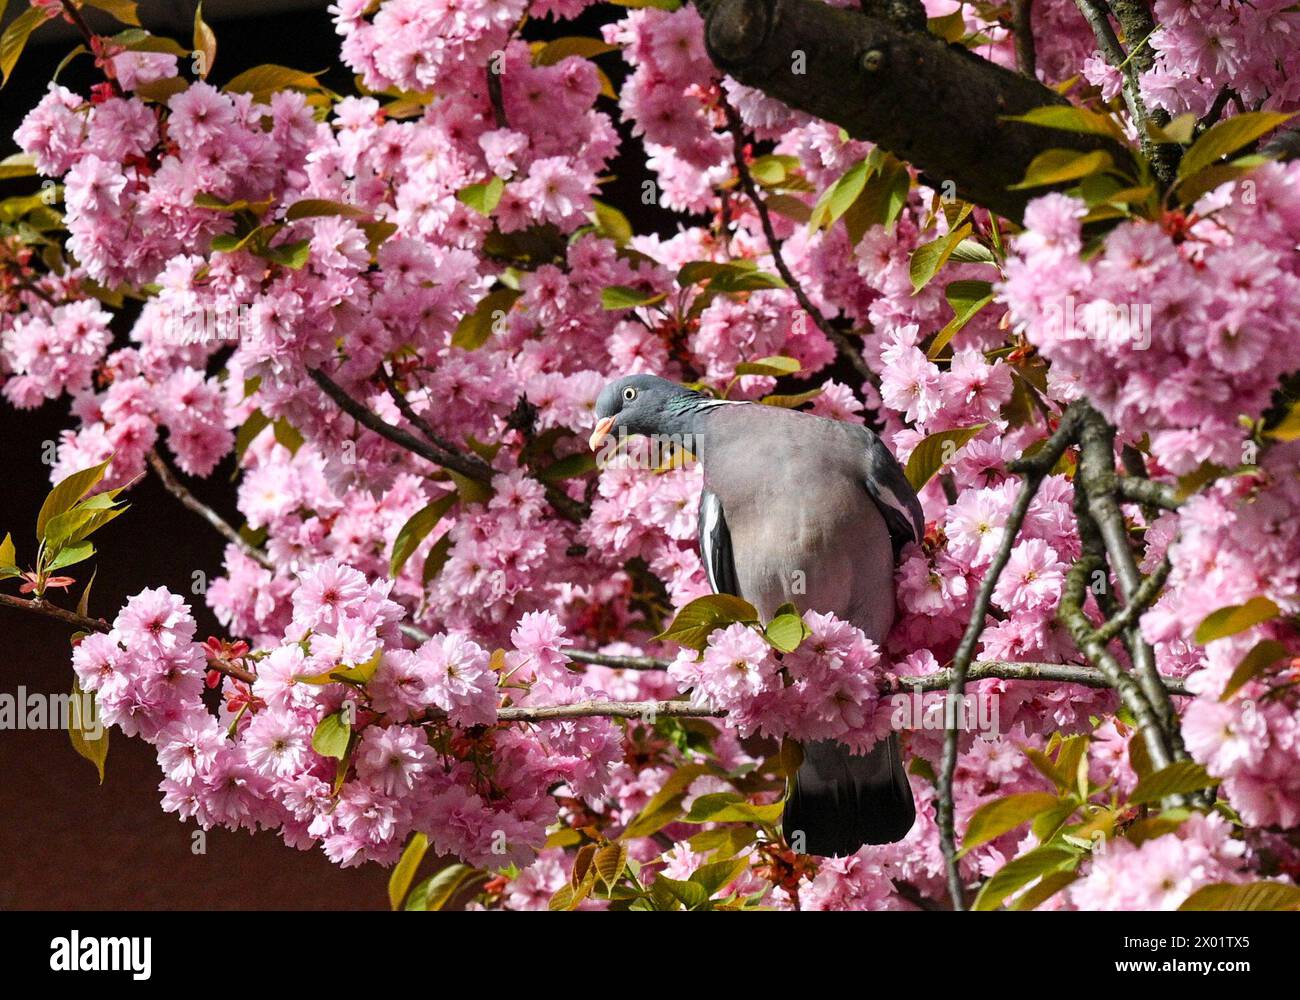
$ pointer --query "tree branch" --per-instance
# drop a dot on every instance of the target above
(43, 607)
(936, 105)
(471, 467)
(1162, 155)
(177, 489)
(841, 341)
(1022, 27)
(1035, 468)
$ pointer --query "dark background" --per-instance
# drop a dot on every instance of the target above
(67, 842)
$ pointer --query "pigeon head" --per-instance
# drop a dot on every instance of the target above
(646, 404)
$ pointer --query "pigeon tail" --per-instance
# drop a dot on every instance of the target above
(841, 800)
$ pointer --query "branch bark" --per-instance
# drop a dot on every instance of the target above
(1035, 468)
(936, 105)
(177, 489)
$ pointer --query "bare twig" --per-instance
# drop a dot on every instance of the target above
(841, 341)
(1034, 468)
(177, 489)
(1022, 27)
(41, 606)
(1161, 155)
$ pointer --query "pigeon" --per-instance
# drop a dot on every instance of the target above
(800, 509)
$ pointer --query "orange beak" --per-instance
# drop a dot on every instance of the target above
(603, 427)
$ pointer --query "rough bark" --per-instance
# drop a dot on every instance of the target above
(933, 104)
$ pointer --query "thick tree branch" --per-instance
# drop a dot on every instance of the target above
(935, 105)
(177, 489)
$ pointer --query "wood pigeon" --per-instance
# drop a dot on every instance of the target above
(796, 508)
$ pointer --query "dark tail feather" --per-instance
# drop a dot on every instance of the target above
(841, 800)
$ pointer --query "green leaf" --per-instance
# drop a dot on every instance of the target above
(256, 423)
(404, 871)
(691, 895)
(91, 745)
(1236, 618)
(569, 467)
(18, 165)
(416, 529)
(310, 208)
(928, 258)
(714, 876)
(1068, 118)
(789, 206)
(571, 45)
(773, 169)
(1248, 896)
(474, 329)
(1178, 778)
(205, 42)
(1048, 886)
(1260, 658)
(123, 10)
(729, 807)
(995, 818)
(262, 81)
(437, 890)
(840, 196)
(664, 806)
(935, 451)
(785, 632)
(792, 401)
(8, 557)
(332, 735)
(67, 493)
(70, 555)
(1056, 166)
(287, 435)
(83, 604)
(361, 673)
(1179, 131)
(81, 522)
(611, 223)
(15, 37)
(1227, 137)
(625, 297)
(695, 622)
(1019, 872)
(471, 490)
(291, 255)
(966, 299)
(776, 365)
(483, 198)
(436, 559)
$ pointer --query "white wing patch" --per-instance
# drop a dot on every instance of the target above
(710, 523)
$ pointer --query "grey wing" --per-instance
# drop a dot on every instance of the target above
(892, 494)
(715, 546)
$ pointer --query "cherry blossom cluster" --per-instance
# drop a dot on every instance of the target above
(1173, 331)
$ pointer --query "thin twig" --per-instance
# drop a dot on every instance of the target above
(1034, 468)
(1097, 14)
(177, 489)
(774, 244)
(41, 606)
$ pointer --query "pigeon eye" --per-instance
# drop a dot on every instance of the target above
(629, 394)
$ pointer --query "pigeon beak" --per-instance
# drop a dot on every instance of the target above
(603, 427)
